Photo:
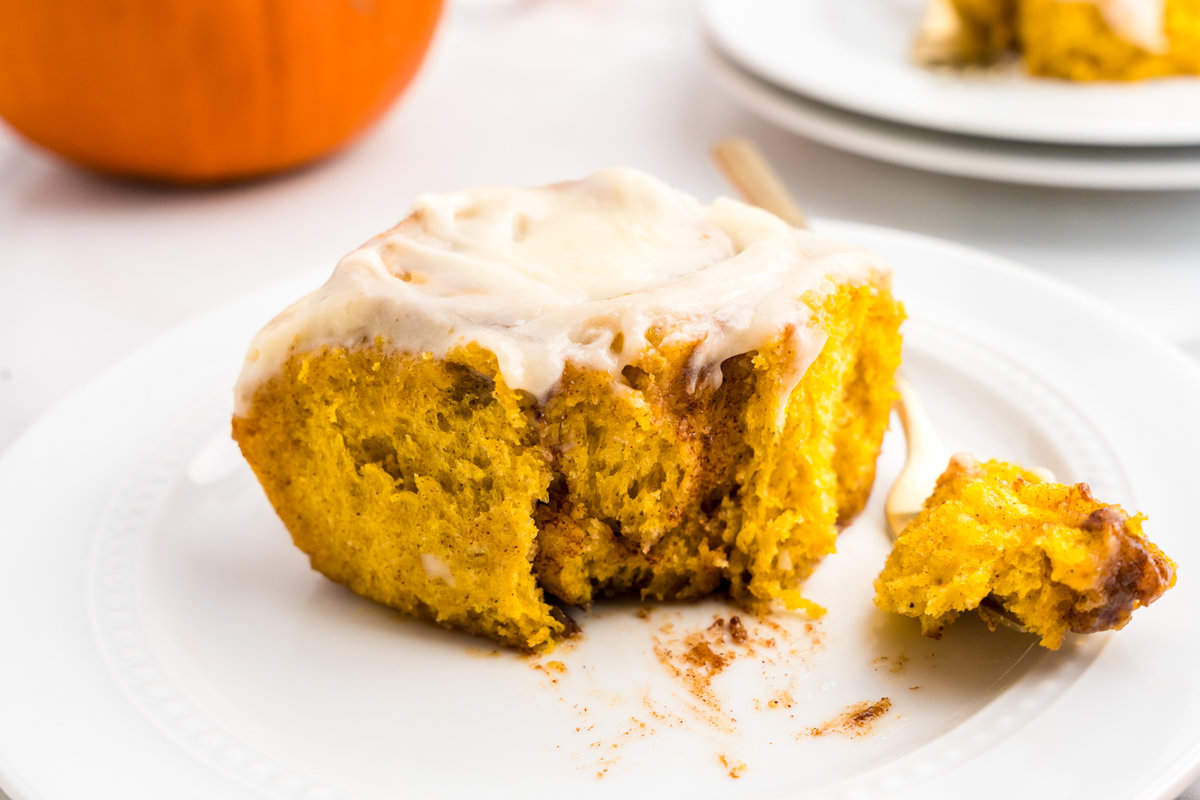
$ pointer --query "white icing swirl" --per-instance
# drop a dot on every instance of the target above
(578, 272)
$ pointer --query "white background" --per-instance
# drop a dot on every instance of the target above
(513, 92)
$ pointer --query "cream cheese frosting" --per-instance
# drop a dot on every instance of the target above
(1141, 22)
(572, 272)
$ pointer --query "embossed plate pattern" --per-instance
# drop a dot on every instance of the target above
(167, 640)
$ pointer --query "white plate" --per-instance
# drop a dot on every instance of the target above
(162, 638)
(1176, 168)
(855, 54)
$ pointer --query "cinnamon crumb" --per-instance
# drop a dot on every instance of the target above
(551, 669)
(856, 720)
(701, 654)
(734, 768)
(783, 699)
(896, 666)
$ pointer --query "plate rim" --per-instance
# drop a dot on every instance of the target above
(1185, 768)
(948, 153)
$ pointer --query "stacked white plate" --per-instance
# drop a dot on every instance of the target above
(840, 72)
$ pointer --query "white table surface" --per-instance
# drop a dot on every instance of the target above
(514, 92)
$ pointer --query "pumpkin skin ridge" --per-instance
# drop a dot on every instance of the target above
(206, 91)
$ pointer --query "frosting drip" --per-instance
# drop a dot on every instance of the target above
(1141, 22)
(578, 272)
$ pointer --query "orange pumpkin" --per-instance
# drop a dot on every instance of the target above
(204, 90)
